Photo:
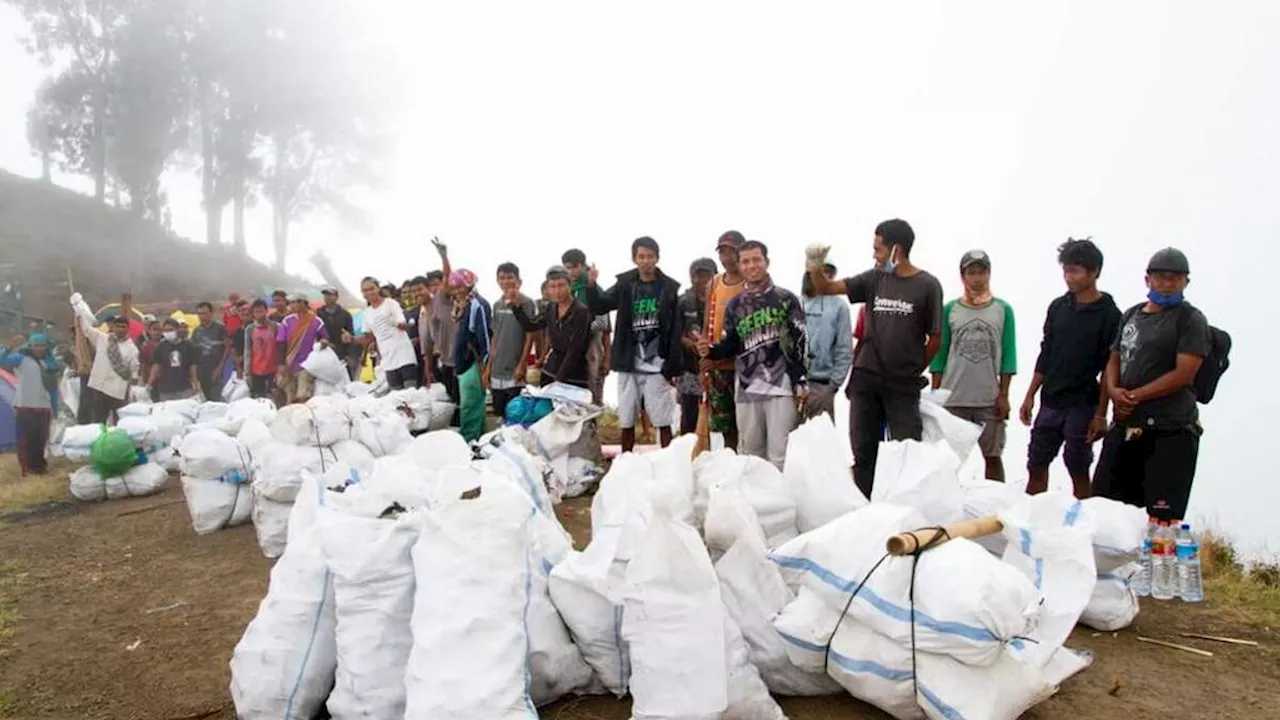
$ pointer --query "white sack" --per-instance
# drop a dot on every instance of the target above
(355, 388)
(414, 405)
(373, 588)
(818, 475)
(921, 475)
(235, 389)
(382, 434)
(730, 519)
(561, 433)
(78, 439)
(214, 455)
(217, 504)
(139, 394)
(1114, 604)
(622, 507)
(940, 425)
(748, 697)
(270, 523)
(439, 449)
(967, 603)
(1120, 532)
(987, 498)
(754, 594)
(470, 637)
(586, 588)
(167, 458)
(323, 365)
(673, 623)
(757, 482)
(556, 666)
(186, 407)
(254, 435)
(135, 409)
(210, 412)
(583, 474)
(69, 393)
(241, 411)
(152, 432)
(145, 479)
(532, 474)
(283, 666)
(315, 423)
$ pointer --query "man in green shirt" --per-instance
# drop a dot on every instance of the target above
(978, 358)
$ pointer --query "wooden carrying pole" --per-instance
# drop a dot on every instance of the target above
(84, 359)
(910, 542)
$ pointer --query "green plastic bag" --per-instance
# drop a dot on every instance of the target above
(112, 454)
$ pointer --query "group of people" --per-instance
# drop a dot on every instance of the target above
(753, 356)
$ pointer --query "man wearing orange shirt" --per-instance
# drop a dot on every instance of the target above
(718, 375)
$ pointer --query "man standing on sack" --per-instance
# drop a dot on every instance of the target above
(904, 331)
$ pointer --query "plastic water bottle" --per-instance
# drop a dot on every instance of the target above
(1142, 581)
(1164, 571)
(1190, 581)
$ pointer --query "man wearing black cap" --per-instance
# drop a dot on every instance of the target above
(336, 319)
(978, 358)
(1149, 453)
(692, 308)
(903, 333)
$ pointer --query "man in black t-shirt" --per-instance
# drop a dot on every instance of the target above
(903, 333)
(692, 307)
(173, 367)
(1149, 453)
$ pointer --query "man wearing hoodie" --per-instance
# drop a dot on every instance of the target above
(978, 358)
(765, 335)
(35, 399)
(646, 347)
(830, 343)
(1079, 330)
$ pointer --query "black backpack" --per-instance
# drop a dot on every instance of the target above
(1215, 364)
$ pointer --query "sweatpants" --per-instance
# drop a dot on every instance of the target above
(1153, 470)
(31, 426)
(471, 405)
(876, 402)
(764, 426)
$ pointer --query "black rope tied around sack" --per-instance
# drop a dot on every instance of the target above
(315, 427)
(939, 536)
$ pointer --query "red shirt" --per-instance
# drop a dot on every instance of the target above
(230, 318)
(264, 358)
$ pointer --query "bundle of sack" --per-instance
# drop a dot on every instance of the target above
(118, 467)
(417, 589)
(561, 426)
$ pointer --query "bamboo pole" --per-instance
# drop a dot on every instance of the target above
(910, 542)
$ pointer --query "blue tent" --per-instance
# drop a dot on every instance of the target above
(8, 430)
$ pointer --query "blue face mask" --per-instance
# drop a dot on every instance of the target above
(890, 265)
(1164, 301)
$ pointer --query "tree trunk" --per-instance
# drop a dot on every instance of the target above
(237, 218)
(46, 165)
(100, 139)
(212, 206)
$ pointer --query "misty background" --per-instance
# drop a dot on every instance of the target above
(515, 131)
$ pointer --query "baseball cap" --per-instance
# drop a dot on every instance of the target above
(328, 290)
(1169, 260)
(557, 271)
(706, 265)
(732, 238)
(975, 257)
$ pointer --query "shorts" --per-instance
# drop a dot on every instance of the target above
(724, 414)
(405, 376)
(1053, 427)
(1153, 469)
(658, 396)
(991, 441)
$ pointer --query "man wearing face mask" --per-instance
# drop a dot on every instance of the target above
(903, 333)
(174, 366)
(1149, 453)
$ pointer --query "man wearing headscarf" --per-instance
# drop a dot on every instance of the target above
(35, 398)
(115, 362)
(473, 316)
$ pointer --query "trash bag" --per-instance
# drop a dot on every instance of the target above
(113, 453)
(818, 475)
(77, 440)
(921, 475)
(1114, 604)
(323, 365)
(525, 410)
(145, 479)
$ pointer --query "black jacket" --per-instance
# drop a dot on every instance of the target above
(1075, 349)
(670, 327)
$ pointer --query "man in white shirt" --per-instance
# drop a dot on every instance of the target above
(115, 361)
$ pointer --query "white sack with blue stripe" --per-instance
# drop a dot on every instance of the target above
(470, 640)
(968, 604)
(385, 433)
(1120, 530)
(1114, 604)
(1051, 543)
(283, 666)
(986, 498)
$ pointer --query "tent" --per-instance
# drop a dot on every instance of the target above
(8, 430)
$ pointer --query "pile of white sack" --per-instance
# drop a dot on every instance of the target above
(153, 434)
(438, 583)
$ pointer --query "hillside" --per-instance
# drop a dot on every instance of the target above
(44, 230)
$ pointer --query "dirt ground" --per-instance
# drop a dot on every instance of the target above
(119, 610)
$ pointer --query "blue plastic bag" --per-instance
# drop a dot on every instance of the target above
(525, 411)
